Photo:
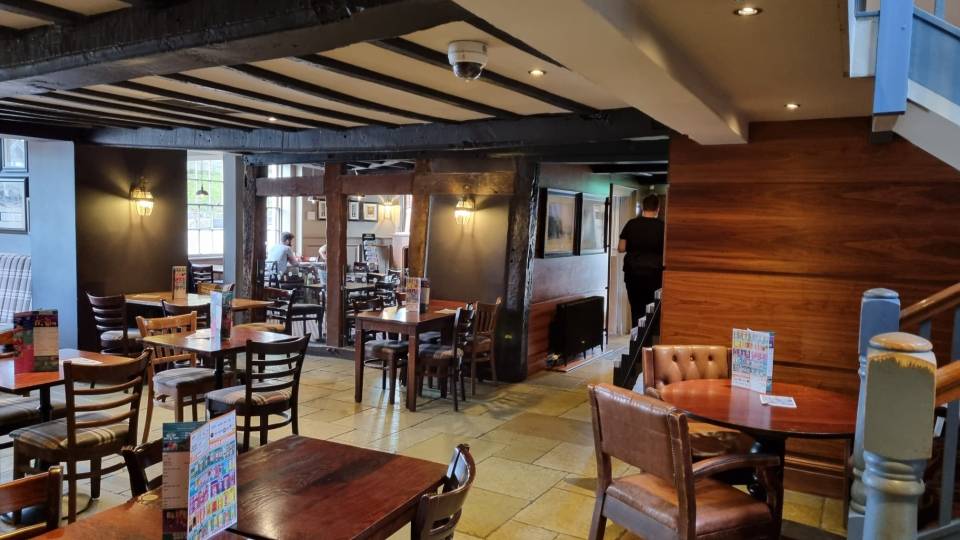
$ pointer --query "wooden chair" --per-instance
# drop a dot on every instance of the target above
(272, 385)
(21, 411)
(279, 314)
(482, 343)
(665, 364)
(202, 273)
(202, 311)
(387, 355)
(110, 317)
(174, 387)
(438, 513)
(303, 312)
(207, 288)
(444, 360)
(138, 459)
(93, 429)
(44, 489)
(672, 497)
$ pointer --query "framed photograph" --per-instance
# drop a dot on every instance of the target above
(353, 210)
(591, 236)
(558, 223)
(322, 209)
(370, 211)
(14, 156)
(13, 205)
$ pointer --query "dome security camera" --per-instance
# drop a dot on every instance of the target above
(468, 58)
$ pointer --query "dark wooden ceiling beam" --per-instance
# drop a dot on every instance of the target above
(42, 11)
(86, 112)
(72, 113)
(43, 130)
(430, 56)
(509, 39)
(291, 83)
(22, 115)
(375, 77)
(146, 88)
(129, 43)
(608, 126)
(266, 98)
(137, 109)
(167, 107)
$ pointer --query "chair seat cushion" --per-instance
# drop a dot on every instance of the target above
(720, 508)
(430, 337)
(117, 335)
(265, 326)
(306, 309)
(170, 381)
(16, 411)
(435, 352)
(708, 440)
(386, 349)
(483, 344)
(53, 435)
(235, 395)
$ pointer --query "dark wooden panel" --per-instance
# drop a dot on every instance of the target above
(381, 184)
(292, 186)
(566, 276)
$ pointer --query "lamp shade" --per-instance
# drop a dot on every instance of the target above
(142, 198)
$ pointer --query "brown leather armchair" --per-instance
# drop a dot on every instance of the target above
(666, 364)
(672, 497)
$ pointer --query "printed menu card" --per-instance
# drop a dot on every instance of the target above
(752, 359)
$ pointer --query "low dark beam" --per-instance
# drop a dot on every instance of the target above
(509, 39)
(133, 122)
(146, 88)
(291, 83)
(39, 10)
(404, 142)
(378, 183)
(250, 94)
(130, 43)
(166, 107)
(375, 77)
(132, 108)
(43, 130)
(291, 186)
(430, 56)
(23, 116)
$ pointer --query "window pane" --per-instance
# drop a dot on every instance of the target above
(193, 242)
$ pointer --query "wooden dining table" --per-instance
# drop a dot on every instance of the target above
(153, 299)
(42, 381)
(217, 349)
(296, 487)
(410, 323)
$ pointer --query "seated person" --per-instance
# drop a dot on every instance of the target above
(323, 253)
(282, 254)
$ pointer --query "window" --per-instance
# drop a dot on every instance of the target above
(205, 213)
(278, 208)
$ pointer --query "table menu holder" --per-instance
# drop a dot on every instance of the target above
(412, 301)
(752, 360)
(176, 475)
(221, 316)
(178, 281)
(36, 341)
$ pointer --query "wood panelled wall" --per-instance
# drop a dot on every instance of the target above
(785, 233)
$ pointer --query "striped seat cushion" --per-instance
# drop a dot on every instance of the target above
(17, 411)
(117, 335)
(235, 395)
(53, 434)
(306, 309)
(386, 349)
(435, 351)
(482, 343)
(430, 337)
(169, 381)
(15, 282)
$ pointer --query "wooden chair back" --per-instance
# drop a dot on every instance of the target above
(44, 490)
(138, 459)
(281, 308)
(109, 312)
(274, 367)
(463, 325)
(174, 324)
(121, 382)
(486, 323)
(207, 288)
(202, 311)
(438, 513)
(202, 273)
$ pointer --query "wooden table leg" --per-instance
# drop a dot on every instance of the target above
(358, 361)
(218, 369)
(413, 340)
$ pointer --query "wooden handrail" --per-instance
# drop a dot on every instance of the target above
(931, 306)
(948, 383)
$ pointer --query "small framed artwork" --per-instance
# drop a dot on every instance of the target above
(14, 156)
(353, 210)
(13, 205)
(322, 209)
(556, 234)
(370, 211)
(591, 236)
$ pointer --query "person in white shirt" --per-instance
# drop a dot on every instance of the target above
(282, 253)
(323, 253)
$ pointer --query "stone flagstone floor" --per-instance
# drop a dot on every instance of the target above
(532, 442)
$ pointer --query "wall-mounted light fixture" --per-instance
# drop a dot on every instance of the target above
(142, 198)
(465, 208)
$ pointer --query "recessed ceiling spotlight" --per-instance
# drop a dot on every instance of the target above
(272, 118)
(792, 106)
(747, 11)
(537, 72)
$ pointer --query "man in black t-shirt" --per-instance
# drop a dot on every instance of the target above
(642, 241)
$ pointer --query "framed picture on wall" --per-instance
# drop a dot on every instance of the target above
(370, 211)
(353, 210)
(591, 235)
(13, 205)
(322, 209)
(556, 233)
(14, 156)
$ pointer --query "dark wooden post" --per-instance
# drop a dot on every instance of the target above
(336, 250)
(512, 353)
(419, 220)
(253, 231)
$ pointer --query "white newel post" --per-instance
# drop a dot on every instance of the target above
(879, 314)
(897, 432)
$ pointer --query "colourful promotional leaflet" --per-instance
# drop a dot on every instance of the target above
(212, 494)
(752, 360)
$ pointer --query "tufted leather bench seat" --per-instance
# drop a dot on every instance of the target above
(666, 364)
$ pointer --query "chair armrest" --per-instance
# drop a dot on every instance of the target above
(730, 462)
(653, 392)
